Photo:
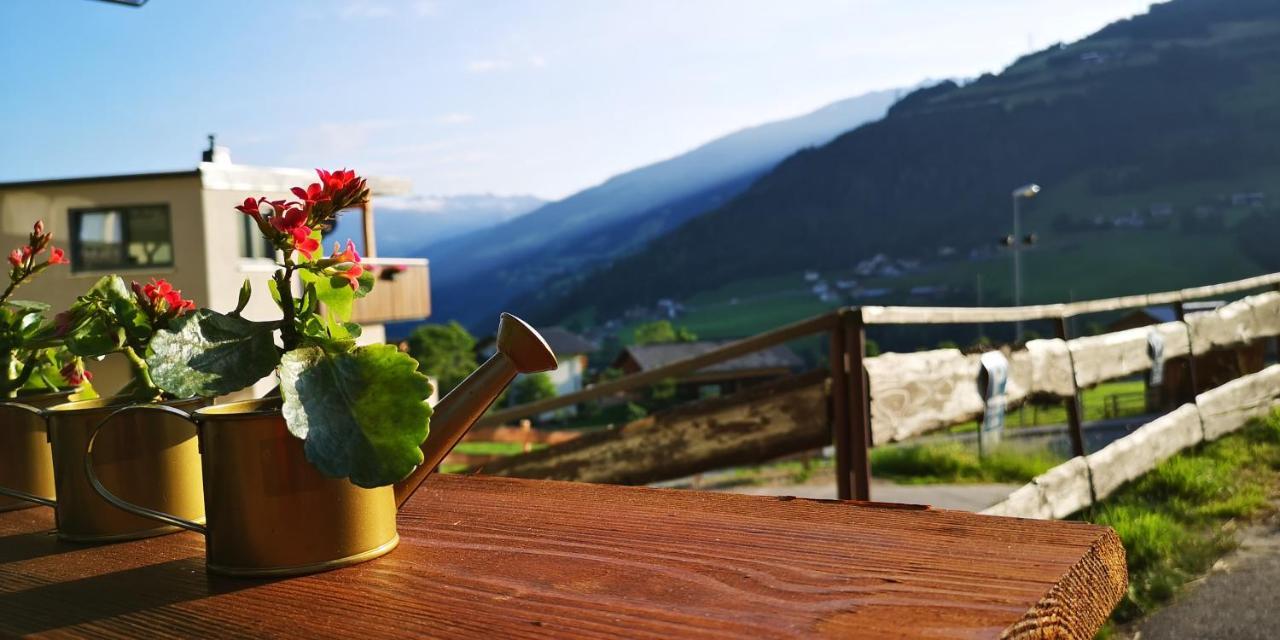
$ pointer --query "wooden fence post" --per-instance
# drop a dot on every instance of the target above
(1181, 314)
(526, 433)
(1074, 423)
(840, 430)
(859, 407)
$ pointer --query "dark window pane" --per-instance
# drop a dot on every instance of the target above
(252, 243)
(121, 238)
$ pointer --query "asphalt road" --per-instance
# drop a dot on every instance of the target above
(1236, 600)
(963, 497)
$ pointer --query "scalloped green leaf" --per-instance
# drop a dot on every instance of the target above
(363, 414)
(207, 353)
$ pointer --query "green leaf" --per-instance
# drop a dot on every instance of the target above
(246, 291)
(334, 292)
(363, 414)
(274, 288)
(93, 337)
(28, 306)
(210, 354)
(366, 280)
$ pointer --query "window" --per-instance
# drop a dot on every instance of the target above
(135, 237)
(252, 242)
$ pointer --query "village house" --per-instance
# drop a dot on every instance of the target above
(182, 226)
(571, 351)
(718, 379)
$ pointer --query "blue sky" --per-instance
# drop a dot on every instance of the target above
(543, 97)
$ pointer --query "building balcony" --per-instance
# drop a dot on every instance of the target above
(402, 292)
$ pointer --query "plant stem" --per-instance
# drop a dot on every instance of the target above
(28, 367)
(141, 372)
(288, 329)
(13, 286)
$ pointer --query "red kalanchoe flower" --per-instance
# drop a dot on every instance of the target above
(335, 180)
(163, 298)
(252, 207)
(57, 256)
(291, 220)
(351, 261)
(16, 258)
(303, 242)
(74, 373)
(312, 194)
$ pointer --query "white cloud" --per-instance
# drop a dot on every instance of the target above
(455, 118)
(487, 66)
(537, 62)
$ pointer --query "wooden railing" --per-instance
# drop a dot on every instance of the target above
(402, 292)
(897, 396)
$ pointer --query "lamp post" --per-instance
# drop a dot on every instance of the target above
(1025, 191)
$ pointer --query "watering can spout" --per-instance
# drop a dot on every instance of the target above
(519, 350)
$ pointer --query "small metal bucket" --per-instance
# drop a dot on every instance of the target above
(26, 462)
(270, 512)
(152, 459)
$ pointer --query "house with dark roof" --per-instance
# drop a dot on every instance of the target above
(718, 379)
(1160, 314)
(571, 352)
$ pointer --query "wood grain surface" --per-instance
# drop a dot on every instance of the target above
(505, 558)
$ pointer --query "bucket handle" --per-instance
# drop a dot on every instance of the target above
(137, 510)
(23, 495)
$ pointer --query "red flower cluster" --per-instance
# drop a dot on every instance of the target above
(161, 300)
(348, 264)
(290, 225)
(23, 259)
(75, 374)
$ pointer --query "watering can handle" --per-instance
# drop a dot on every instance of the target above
(23, 495)
(137, 510)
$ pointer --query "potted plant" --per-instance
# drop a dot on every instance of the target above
(302, 479)
(36, 373)
(153, 459)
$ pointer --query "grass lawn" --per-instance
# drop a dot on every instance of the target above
(1177, 520)
(956, 463)
(1094, 402)
(476, 448)
(944, 463)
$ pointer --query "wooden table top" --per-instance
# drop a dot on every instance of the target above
(492, 557)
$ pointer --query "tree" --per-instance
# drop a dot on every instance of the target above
(662, 331)
(446, 352)
(532, 388)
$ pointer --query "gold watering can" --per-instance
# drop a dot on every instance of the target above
(150, 458)
(271, 513)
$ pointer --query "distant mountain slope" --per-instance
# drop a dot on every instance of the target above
(405, 225)
(1176, 106)
(476, 274)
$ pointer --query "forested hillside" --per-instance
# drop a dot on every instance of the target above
(1158, 117)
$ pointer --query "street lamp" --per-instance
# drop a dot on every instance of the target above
(1025, 191)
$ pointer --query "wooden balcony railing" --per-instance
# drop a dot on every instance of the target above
(402, 292)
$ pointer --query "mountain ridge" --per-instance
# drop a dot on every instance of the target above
(476, 274)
